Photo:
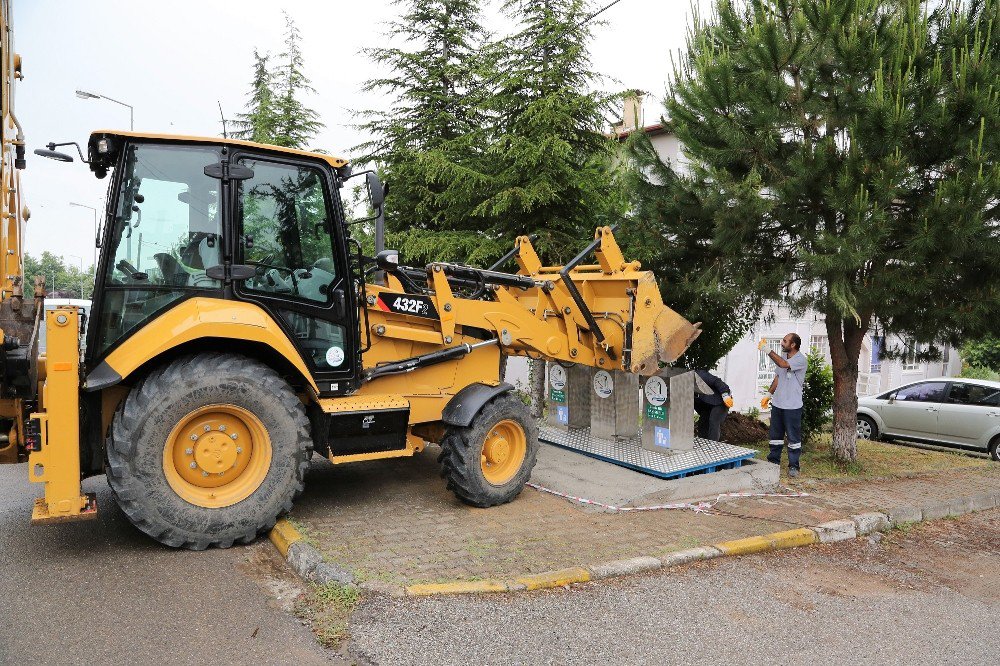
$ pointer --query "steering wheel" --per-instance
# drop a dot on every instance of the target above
(283, 269)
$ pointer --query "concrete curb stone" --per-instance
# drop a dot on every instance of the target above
(624, 567)
(691, 555)
(836, 530)
(308, 562)
(869, 522)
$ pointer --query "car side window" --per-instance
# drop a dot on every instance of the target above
(923, 392)
(974, 394)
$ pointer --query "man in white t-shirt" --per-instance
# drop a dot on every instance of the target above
(785, 400)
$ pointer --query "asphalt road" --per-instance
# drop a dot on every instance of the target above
(927, 596)
(101, 592)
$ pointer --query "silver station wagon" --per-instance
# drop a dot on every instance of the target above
(951, 411)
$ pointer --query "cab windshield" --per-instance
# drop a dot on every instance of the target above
(166, 230)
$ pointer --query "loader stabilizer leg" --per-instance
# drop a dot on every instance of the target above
(56, 460)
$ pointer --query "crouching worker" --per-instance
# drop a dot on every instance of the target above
(712, 407)
(785, 400)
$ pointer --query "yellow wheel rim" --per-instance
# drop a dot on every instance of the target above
(216, 456)
(503, 452)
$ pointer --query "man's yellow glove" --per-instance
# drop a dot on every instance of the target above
(766, 402)
(727, 400)
(762, 344)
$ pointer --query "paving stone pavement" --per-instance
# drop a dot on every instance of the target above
(394, 521)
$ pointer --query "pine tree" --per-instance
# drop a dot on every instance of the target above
(430, 142)
(259, 122)
(673, 238)
(275, 113)
(844, 153)
(550, 163)
(295, 123)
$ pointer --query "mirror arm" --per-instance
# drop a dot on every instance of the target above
(53, 145)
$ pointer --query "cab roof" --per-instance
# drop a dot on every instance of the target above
(335, 162)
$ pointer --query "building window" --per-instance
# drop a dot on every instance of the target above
(910, 362)
(878, 344)
(765, 366)
(821, 343)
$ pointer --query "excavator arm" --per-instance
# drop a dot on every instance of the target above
(609, 314)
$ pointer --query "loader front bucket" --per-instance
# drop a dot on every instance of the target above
(659, 335)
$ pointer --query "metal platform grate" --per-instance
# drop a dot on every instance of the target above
(707, 456)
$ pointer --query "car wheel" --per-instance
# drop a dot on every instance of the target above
(995, 448)
(867, 428)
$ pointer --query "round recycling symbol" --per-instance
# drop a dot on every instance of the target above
(656, 391)
(557, 377)
(604, 384)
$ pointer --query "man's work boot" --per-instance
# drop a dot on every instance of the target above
(793, 472)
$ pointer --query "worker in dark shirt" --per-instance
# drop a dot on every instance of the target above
(712, 407)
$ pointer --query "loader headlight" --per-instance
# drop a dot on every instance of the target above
(103, 146)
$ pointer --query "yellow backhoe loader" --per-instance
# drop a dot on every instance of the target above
(236, 328)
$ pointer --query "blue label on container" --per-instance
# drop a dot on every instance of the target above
(661, 437)
(562, 415)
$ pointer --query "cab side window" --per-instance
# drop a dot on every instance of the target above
(286, 233)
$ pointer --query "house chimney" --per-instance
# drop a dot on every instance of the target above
(632, 111)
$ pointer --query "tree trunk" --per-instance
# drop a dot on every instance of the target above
(845, 336)
(536, 386)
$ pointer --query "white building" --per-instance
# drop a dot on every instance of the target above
(747, 370)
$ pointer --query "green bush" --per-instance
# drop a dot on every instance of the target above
(979, 372)
(983, 354)
(817, 395)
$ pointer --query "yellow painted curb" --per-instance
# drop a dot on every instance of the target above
(283, 535)
(778, 540)
(556, 578)
(458, 587)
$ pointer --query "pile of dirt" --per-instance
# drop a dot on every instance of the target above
(742, 429)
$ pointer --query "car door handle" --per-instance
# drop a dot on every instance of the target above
(931, 409)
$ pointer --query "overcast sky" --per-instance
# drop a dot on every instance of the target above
(173, 60)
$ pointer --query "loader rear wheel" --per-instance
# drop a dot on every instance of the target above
(489, 461)
(208, 450)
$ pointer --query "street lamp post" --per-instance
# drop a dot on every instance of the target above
(82, 275)
(83, 94)
(96, 239)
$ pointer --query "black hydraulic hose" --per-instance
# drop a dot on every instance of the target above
(575, 293)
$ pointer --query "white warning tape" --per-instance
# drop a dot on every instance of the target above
(701, 507)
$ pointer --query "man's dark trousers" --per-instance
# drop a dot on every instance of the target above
(786, 422)
(710, 418)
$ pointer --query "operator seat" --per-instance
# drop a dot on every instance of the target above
(173, 273)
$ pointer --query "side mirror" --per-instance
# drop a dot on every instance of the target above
(387, 260)
(375, 190)
(53, 155)
(892, 398)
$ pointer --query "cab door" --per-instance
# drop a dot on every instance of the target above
(289, 229)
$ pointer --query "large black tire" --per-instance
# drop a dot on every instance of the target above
(462, 448)
(135, 459)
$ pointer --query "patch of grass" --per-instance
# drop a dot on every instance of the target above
(309, 535)
(875, 460)
(328, 609)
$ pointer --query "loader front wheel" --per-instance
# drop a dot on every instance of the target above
(208, 450)
(488, 462)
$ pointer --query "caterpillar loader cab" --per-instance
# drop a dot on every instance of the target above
(236, 327)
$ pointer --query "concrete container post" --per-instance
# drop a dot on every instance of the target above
(568, 395)
(614, 409)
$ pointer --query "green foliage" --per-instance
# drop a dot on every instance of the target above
(982, 353)
(275, 112)
(430, 143)
(844, 154)
(671, 233)
(62, 280)
(978, 372)
(817, 395)
(488, 141)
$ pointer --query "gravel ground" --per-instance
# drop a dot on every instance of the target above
(925, 596)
